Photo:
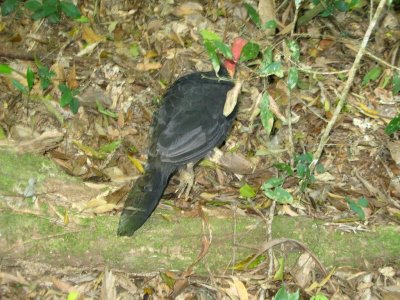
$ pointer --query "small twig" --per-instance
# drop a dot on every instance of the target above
(234, 236)
(48, 237)
(349, 83)
(269, 237)
(355, 48)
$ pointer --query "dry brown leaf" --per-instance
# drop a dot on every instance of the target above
(232, 97)
(71, 78)
(62, 285)
(5, 277)
(266, 9)
(108, 289)
(240, 289)
(187, 9)
(394, 148)
(90, 36)
(88, 50)
(303, 272)
(148, 66)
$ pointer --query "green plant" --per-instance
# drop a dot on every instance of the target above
(358, 206)
(393, 126)
(283, 294)
(213, 44)
(67, 94)
(319, 297)
(68, 98)
(30, 80)
(9, 6)
(303, 170)
(247, 191)
(45, 75)
(372, 75)
(50, 9)
(254, 16)
(273, 189)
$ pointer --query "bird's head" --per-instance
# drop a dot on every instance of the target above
(236, 48)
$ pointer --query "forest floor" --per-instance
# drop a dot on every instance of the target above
(64, 176)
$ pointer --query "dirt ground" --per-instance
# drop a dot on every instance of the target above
(121, 60)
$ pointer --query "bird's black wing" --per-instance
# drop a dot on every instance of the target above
(190, 122)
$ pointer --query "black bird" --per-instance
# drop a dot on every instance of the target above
(187, 126)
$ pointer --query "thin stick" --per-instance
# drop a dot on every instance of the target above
(349, 82)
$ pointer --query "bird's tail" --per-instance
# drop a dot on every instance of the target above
(143, 199)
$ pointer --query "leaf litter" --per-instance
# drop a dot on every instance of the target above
(123, 64)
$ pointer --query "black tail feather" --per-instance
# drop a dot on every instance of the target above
(143, 199)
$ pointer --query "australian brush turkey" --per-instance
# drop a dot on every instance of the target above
(187, 126)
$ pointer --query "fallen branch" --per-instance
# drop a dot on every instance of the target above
(349, 83)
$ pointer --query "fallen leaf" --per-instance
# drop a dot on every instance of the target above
(148, 66)
(231, 98)
(240, 288)
(187, 9)
(90, 36)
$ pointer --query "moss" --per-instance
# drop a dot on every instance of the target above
(15, 170)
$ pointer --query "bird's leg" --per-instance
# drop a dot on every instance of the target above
(186, 179)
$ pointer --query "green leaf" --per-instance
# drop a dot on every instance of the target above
(45, 76)
(33, 5)
(8, 6)
(224, 48)
(70, 9)
(396, 83)
(284, 167)
(5, 69)
(50, 7)
(363, 202)
(39, 14)
(66, 95)
(30, 78)
(279, 274)
(372, 75)
(280, 195)
(329, 10)
(282, 294)
(305, 158)
(253, 14)
(274, 68)
(134, 50)
(208, 35)
(294, 49)
(244, 264)
(267, 56)
(19, 86)
(105, 111)
(319, 297)
(355, 208)
(271, 24)
(272, 183)
(267, 117)
(74, 105)
(293, 78)
(341, 5)
(110, 147)
(82, 19)
(212, 54)
(247, 191)
(74, 295)
(249, 51)
(393, 126)
(54, 18)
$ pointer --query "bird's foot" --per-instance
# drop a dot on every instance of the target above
(186, 180)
